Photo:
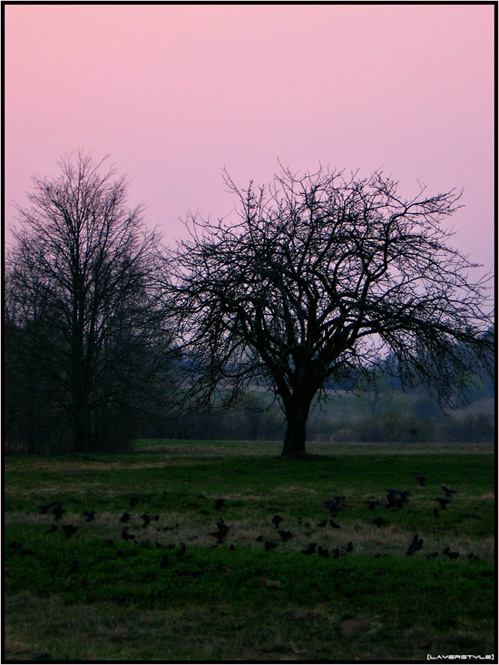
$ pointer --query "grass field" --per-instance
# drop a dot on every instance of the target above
(170, 591)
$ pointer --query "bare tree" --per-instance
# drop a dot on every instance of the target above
(83, 303)
(318, 279)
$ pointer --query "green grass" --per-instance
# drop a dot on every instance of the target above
(143, 600)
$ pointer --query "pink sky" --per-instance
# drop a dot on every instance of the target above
(175, 93)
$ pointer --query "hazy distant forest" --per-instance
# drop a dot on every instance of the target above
(330, 310)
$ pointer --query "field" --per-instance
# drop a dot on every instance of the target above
(169, 590)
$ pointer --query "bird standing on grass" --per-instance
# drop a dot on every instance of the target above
(221, 534)
(416, 544)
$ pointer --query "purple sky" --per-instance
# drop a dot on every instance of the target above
(175, 93)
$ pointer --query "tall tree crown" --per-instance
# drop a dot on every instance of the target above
(320, 276)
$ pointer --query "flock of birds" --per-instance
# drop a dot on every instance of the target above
(395, 499)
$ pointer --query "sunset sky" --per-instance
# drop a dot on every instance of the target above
(174, 93)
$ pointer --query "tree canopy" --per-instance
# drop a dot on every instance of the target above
(320, 276)
(85, 317)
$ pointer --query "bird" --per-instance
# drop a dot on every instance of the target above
(349, 547)
(421, 480)
(451, 555)
(448, 492)
(379, 521)
(443, 502)
(259, 538)
(321, 551)
(89, 515)
(310, 549)
(146, 519)
(58, 512)
(397, 498)
(49, 507)
(125, 517)
(219, 503)
(125, 535)
(333, 504)
(276, 520)
(416, 544)
(73, 567)
(69, 529)
(285, 535)
(222, 531)
(371, 505)
(269, 545)
(322, 524)
(334, 525)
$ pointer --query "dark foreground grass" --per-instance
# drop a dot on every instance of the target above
(95, 596)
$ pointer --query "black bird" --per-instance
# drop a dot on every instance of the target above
(451, 555)
(164, 561)
(125, 517)
(333, 504)
(146, 519)
(73, 567)
(125, 535)
(336, 553)
(276, 520)
(89, 515)
(322, 552)
(285, 535)
(259, 538)
(397, 498)
(371, 505)
(322, 524)
(58, 512)
(447, 491)
(334, 525)
(181, 550)
(310, 549)
(269, 545)
(379, 521)
(421, 480)
(69, 529)
(222, 531)
(349, 547)
(219, 503)
(443, 502)
(49, 507)
(133, 501)
(416, 544)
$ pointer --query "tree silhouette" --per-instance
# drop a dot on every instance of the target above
(86, 334)
(319, 278)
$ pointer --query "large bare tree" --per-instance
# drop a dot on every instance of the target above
(321, 277)
(85, 320)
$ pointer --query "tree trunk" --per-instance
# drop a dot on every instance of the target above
(296, 427)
